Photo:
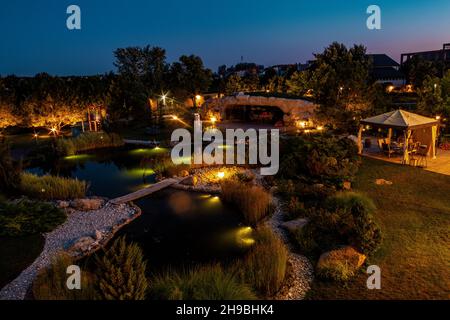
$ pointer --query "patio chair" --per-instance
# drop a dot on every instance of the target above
(422, 156)
(387, 149)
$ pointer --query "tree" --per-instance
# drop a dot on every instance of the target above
(340, 83)
(299, 83)
(193, 77)
(121, 272)
(418, 69)
(434, 96)
(234, 84)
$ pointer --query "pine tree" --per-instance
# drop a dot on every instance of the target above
(121, 272)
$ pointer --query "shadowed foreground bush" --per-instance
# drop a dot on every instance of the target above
(87, 141)
(26, 217)
(51, 187)
(121, 272)
(50, 284)
(208, 282)
(253, 201)
(264, 267)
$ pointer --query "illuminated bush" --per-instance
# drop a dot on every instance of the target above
(50, 187)
(264, 267)
(252, 201)
(121, 272)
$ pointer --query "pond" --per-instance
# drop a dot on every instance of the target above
(177, 228)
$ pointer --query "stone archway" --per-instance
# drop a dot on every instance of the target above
(292, 109)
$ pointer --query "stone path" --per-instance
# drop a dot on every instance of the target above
(79, 224)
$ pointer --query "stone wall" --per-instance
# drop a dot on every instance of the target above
(294, 109)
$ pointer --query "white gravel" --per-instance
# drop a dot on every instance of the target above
(79, 224)
(302, 272)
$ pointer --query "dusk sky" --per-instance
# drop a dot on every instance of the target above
(34, 36)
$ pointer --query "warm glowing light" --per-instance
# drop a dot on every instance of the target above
(174, 117)
(35, 135)
(307, 131)
(221, 174)
(53, 130)
(198, 97)
(438, 117)
(320, 128)
(213, 119)
(243, 236)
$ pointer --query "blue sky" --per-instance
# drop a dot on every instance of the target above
(34, 36)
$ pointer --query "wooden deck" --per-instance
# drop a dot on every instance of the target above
(142, 142)
(146, 191)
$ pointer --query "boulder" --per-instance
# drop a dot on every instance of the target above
(347, 185)
(340, 264)
(381, 182)
(83, 244)
(62, 204)
(293, 225)
(190, 181)
(87, 204)
(184, 173)
(98, 235)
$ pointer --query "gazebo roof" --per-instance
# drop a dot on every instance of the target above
(400, 119)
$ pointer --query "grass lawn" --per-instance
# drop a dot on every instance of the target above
(16, 254)
(414, 215)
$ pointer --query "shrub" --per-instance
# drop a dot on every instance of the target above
(253, 201)
(357, 220)
(121, 272)
(294, 209)
(345, 220)
(9, 173)
(50, 284)
(264, 267)
(24, 217)
(319, 159)
(50, 187)
(208, 282)
(87, 141)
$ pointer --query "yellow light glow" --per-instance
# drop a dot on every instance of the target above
(198, 97)
(438, 117)
(174, 117)
(319, 128)
(213, 119)
(307, 131)
(221, 174)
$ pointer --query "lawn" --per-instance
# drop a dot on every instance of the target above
(414, 215)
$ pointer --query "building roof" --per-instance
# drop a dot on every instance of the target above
(400, 119)
(383, 60)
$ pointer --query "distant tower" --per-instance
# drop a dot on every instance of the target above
(242, 58)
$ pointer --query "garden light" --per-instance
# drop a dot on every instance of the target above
(221, 174)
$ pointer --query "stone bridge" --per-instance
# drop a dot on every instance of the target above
(293, 109)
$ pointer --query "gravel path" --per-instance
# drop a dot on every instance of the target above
(79, 224)
(302, 272)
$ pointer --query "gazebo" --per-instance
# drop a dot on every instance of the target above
(415, 126)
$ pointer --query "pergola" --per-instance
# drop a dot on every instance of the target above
(422, 128)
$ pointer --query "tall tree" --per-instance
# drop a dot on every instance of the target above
(340, 83)
(194, 77)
